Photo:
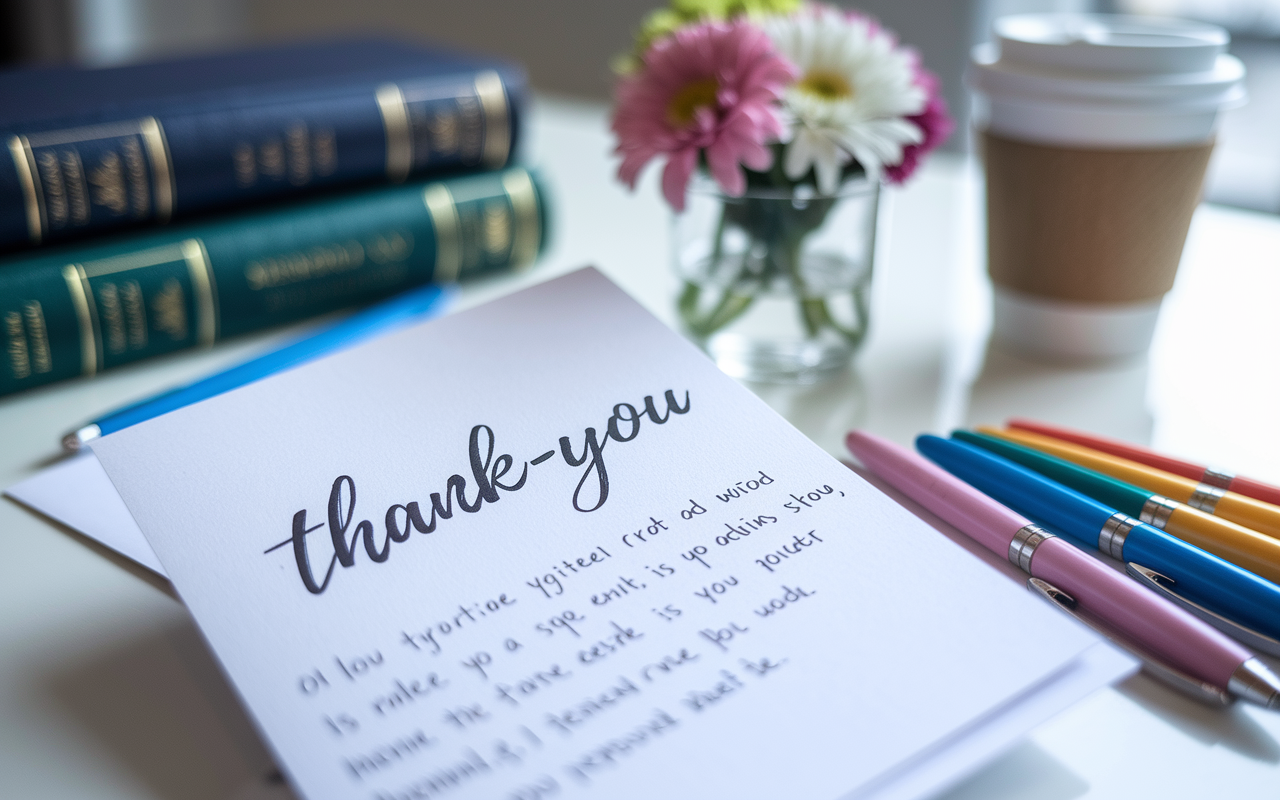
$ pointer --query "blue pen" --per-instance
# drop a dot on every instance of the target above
(1207, 581)
(403, 309)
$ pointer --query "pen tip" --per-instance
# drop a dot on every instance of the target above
(1255, 682)
(75, 440)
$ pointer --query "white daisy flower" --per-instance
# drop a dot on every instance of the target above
(855, 90)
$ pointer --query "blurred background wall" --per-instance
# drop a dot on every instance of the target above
(567, 45)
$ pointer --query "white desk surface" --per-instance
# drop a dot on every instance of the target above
(106, 690)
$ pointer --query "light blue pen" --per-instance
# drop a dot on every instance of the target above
(403, 309)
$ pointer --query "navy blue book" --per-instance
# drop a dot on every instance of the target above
(90, 151)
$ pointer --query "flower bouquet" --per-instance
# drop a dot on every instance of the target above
(779, 120)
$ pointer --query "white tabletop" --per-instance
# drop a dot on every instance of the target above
(106, 690)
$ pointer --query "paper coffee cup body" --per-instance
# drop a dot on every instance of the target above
(1096, 131)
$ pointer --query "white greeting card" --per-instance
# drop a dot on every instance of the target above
(543, 548)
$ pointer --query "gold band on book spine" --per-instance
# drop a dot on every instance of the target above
(524, 203)
(190, 252)
(78, 286)
(444, 218)
(395, 123)
(25, 163)
(497, 118)
(146, 128)
(201, 270)
(161, 166)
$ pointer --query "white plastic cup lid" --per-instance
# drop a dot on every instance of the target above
(1108, 59)
(1110, 43)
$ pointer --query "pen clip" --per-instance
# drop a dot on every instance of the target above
(1160, 584)
(1170, 676)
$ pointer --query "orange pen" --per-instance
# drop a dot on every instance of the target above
(1196, 472)
(1261, 517)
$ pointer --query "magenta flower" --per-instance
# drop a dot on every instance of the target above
(710, 88)
(933, 120)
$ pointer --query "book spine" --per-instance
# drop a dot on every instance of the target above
(57, 184)
(84, 309)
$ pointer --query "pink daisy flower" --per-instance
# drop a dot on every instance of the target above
(711, 88)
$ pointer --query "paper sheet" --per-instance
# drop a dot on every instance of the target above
(827, 642)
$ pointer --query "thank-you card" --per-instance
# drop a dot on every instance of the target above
(543, 548)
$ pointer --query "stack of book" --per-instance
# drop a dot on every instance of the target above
(151, 208)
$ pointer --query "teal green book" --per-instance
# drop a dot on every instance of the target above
(78, 310)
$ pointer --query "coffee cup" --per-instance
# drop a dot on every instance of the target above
(1095, 133)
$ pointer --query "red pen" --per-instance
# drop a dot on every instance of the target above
(1143, 455)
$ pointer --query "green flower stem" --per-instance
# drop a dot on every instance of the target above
(730, 306)
(780, 229)
(814, 313)
(813, 310)
(717, 249)
(819, 310)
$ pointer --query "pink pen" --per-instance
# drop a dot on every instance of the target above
(1189, 649)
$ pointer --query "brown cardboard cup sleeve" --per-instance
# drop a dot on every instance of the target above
(1088, 225)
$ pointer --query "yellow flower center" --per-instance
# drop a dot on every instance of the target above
(696, 95)
(825, 85)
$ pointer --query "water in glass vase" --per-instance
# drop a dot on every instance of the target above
(775, 286)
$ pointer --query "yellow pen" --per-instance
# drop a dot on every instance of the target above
(1246, 511)
(1244, 547)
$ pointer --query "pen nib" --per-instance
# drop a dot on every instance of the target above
(1254, 682)
(75, 440)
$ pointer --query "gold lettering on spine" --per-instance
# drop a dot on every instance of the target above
(298, 148)
(135, 314)
(324, 152)
(395, 122)
(77, 189)
(52, 189)
(245, 162)
(25, 163)
(108, 298)
(161, 166)
(201, 270)
(44, 211)
(107, 186)
(271, 158)
(169, 303)
(19, 358)
(496, 227)
(86, 316)
(497, 122)
(304, 265)
(135, 167)
(169, 307)
(444, 218)
(41, 357)
(528, 231)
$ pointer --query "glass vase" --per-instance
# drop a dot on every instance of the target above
(776, 283)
